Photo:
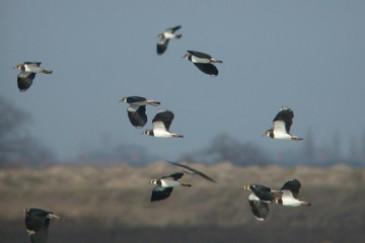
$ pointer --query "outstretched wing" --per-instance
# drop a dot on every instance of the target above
(160, 193)
(176, 176)
(263, 192)
(293, 186)
(200, 54)
(25, 80)
(283, 120)
(162, 46)
(259, 208)
(195, 171)
(174, 29)
(33, 63)
(207, 68)
(163, 120)
(138, 117)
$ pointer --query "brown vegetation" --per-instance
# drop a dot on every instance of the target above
(117, 197)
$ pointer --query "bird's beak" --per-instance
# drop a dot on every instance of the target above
(53, 216)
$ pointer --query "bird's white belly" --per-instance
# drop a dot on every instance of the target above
(33, 69)
(291, 202)
(281, 135)
(161, 133)
(169, 183)
(169, 35)
(195, 59)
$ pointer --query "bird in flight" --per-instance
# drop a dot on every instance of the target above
(261, 196)
(137, 109)
(165, 37)
(37, 222)
(28, 71)
(204, 62)
(281, 126)
(161, 124)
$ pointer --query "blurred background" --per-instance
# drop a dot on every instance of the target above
(66, 144)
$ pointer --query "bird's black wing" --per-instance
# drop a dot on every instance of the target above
(200, 54)
(286, 115)
(263, 192)
(160, 193)
(133, 99)
(162, 46)
(138, 118)
(207, 68)
(25, 80)
(165, 117)
(195, 171)
(176, 176)
(40, 236)
(259, 209)
(293, 186)
(174, 29)
(33, 63)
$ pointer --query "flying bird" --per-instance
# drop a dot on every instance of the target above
(28, 71)
(161, 124)
(165, 37)
(165, 185)
(204, 62)
(137, 109)
(194, 171)
(37, 222)
(281, 126)
(261, 196)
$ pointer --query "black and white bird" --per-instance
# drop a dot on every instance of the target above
(204, 62)
(165, 37)
(161, 124)
(37, 222)
(261, 196)
(281, 126)
(165, 185)
(137, 109)
(28, 70)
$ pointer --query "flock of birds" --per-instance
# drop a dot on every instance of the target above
(260, 197)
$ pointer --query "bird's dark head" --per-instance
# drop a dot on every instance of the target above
(269, 133)
(154, 181)
(20, 67)
(123, 100)
(187, 56)
(148, 132)
(247, 187)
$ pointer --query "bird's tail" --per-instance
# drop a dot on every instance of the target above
(178, 136)
(186, 185)
(178, 36)
(153, 102)
(216, 61)
(305, 203)
(296, 138)
(47, 71)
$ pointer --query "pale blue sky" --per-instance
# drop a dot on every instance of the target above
(308, 55)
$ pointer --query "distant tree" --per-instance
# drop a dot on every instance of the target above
(225, 148)
(16, 145)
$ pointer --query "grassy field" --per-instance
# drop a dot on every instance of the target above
(111, 204)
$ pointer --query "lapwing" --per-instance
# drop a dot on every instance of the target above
(161, 124)
(192, 170)
(165, 37)
(137, 109)
(281, 126)
(204, 62)
(37, 222)
(28, 70)
(165, 185)
(261, 196)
